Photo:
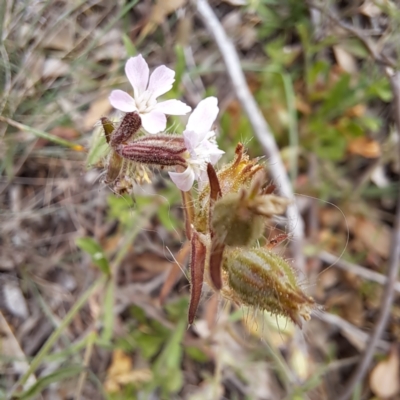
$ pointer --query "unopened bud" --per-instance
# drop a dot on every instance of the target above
(238, 219)
(128, 127)
(114, 167)
(108, 127)
(259, 278)
(156, 150)
(233, 223)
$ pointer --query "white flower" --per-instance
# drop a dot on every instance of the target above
(145, 93)
(200, 143)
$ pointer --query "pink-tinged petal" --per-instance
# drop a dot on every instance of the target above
(137, 71)
(215, 155)
(122, 101)
(192, 139)
(212, 150)
(203, 116)
(214, 158)
(183, 180)
(161, 81)
(154, 121)
(173, 107)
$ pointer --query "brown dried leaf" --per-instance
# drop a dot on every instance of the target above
(375, 237)
(351, 306)
(62, 39)
(384, 378)
(65, 132)
(356, 111)
(159, 13)
(365, 147)
(97, 109)
(121, 373)
(370, 8)
(303, 106)
(345, 60)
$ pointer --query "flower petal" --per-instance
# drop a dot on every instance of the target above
(212, 150)
(192, 139)
(161, 81)
(183, 180)
(203, 116)
(173, 107)
(154, 121)
(122, 101)
(137, 71)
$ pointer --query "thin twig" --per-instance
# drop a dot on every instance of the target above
(350, 329)
(392, 272)
(257, 121)
(356, 269)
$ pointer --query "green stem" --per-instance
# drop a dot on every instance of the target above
(44, 135)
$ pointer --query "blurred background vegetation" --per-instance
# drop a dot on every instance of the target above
(93, 303)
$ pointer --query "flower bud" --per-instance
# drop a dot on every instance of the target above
(128, 127)
(232, 178)
(156, 150)
(238, 219)
(259, 278)
(108, 128)
(233, 223)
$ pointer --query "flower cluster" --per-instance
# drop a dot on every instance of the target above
(199, 137)
(227, 220)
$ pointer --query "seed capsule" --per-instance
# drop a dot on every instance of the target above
(233, 223)
(259, 278)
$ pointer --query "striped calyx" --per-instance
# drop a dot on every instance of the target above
(260, 278)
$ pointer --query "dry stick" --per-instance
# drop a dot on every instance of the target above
(350, 329)
(257, 121)
(355, 269)
(392, 272)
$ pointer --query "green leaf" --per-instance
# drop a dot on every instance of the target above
(108, 316)
(180, 66)
(149, 344)
(167, 368)
(279, 55)
(42, 383)
(129, 46)
(122, 209)
(371, 123)
(196, 354)
(177, 308)
(168, 221)
(381, 88)
(93, 248)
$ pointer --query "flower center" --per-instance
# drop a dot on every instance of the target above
(145, 102)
